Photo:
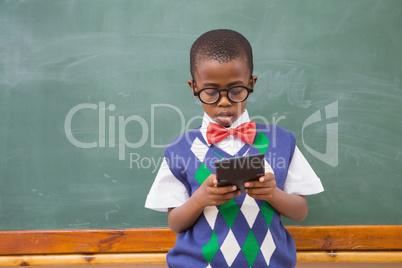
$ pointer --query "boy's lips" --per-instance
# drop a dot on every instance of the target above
(225, 117)
(225, 114)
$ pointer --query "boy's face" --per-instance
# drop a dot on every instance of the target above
(211, 73)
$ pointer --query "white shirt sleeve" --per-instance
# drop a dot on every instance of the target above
(166, 191)
(301, 178)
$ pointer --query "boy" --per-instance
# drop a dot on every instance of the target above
(220, 226)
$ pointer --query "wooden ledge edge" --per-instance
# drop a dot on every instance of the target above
(159, 258)
(350, 256)
(74, 259)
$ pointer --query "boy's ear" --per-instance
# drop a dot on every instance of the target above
(190, 83)
(254, 80)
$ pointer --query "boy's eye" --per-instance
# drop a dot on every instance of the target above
(209, 95)
(211, 92)
(236, 91)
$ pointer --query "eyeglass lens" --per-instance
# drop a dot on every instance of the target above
(211, 95)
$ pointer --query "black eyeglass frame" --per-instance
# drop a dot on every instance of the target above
(197, 93)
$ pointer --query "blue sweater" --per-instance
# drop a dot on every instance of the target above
(243, 232)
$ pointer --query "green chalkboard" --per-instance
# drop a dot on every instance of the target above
(91, 91)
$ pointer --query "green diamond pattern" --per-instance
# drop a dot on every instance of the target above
(251, 248)
(202, 173)
(261, 143)
(229, 212)
(268, 212)
(210, 249)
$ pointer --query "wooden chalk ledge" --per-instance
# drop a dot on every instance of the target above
(363, 244)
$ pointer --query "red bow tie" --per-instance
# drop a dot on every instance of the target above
(245, 132)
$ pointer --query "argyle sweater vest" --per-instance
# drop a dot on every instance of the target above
(244, 232)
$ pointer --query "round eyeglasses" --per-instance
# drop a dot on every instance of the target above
(210, 95)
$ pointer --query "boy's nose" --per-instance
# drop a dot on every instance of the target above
(224, 100)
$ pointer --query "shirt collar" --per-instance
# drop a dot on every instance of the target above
(243, 118)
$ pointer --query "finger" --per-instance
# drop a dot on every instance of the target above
(258, 184)
(226, 189)
(268, 176)
(264, 181)
(213, 189)
(211, 180)
(220, 199)
(230, 195)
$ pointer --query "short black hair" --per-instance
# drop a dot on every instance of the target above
(222, 45)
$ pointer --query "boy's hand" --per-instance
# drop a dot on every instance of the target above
(209, 194)
(262, 189)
